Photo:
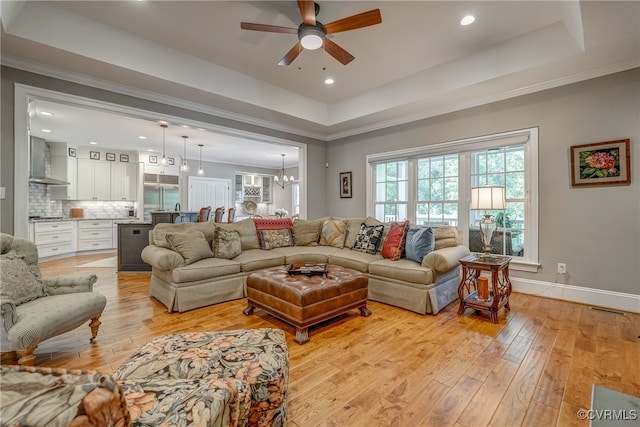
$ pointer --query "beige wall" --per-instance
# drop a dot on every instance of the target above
(316, 149)
(594, 230)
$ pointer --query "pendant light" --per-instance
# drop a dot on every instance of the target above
(185, 166)
(163, 160)
(200, 169)
(281, 179)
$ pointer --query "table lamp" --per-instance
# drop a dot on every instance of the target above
(488, 198)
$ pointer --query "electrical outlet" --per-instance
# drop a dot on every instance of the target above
(562, 268)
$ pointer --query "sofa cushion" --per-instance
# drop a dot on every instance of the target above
(192, 245)
(306, 233)
(368, 239)
(209, 268)
(333, 233)
(445, 237)
(393, 246)
(247, 230)
(305, 254)
(402, 269)
(420, 241)
(160, 231)
(257, 259)
(226, 243)
(18, 282)
(353, 259)
(271, 239)
(353, 228)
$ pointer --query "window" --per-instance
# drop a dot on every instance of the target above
(295, 197)
(431, 185)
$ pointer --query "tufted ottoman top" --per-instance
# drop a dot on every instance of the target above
(302, 291)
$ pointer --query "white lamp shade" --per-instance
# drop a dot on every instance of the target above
(488, 198)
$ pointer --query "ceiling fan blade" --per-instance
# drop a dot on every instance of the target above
(337, 52)
(268, 28)
(360, 20)
(307, 11)
(291, 55)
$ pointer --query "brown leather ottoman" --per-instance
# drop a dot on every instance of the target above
(303, 300)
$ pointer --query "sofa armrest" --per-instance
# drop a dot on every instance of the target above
(445, 259)
(162, 258)
(69, 284)
(8, 313)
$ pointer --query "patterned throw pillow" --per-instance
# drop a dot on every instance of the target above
(420, 241)
(192, 245)
(271, 224)
(226, 243)
(333, 233)
(368, 238)
(271, 239)
(19, 283)
(393, 246)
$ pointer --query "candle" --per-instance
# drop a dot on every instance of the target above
(483, 288)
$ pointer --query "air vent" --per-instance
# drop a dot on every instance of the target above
(606, 310)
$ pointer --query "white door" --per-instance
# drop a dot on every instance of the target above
(209, 192)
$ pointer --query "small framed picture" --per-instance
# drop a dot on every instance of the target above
(345, 185)
(95, 155)
(153, 160)
(602, 163)
(111, 157)
(171, 160)
(72, 152)
(124, 158)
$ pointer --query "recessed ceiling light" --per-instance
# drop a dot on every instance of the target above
(467, 20)
(150, 150)
(46, 113)
(46, 130)
(93, 143)
(329, 81)
(142, 137)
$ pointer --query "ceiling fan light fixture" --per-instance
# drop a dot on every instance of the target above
(311, 37)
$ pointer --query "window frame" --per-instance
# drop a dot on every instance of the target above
(463, 147)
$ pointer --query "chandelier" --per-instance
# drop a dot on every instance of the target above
(281, 179)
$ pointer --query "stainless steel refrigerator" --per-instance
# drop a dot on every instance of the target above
(161, 193)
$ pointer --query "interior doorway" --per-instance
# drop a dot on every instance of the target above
(212, 192)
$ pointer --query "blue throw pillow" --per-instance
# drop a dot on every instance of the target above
(420, 241)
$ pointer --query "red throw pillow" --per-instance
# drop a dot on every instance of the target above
(393, 246)
(271, 224)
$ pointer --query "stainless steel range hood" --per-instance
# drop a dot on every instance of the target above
(39, 164)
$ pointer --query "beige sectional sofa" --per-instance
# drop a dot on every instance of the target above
(185, 276)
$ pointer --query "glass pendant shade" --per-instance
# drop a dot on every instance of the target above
(488, 199)
(163, 159)
(200, 168)
(184, 167)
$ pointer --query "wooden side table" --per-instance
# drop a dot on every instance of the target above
(499, 286)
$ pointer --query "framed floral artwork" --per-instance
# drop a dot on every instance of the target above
(601, 163)
(153, 160)
(345, 185)
(94, 155)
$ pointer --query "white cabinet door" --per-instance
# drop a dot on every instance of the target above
(94, 180)
(124, 181)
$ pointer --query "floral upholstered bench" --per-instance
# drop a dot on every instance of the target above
(257, 358)
(228, 378)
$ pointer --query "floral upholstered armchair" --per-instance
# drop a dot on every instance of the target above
(33, 308)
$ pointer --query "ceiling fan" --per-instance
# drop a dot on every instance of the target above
(312, 33)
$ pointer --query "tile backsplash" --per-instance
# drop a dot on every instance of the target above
(41, 204)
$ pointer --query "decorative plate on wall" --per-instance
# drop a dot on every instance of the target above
(249, 207)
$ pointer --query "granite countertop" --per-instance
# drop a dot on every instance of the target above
(123, 220)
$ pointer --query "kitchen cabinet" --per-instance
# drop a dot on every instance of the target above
(257, 188)
(95, 235)
(66, 169)
(55, 238)
(94, 180)
(124, 181)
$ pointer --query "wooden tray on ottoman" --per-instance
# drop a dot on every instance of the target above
(305, 300)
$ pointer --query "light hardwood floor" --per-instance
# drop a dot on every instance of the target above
(395, 368)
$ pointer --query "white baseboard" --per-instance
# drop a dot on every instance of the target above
(598, 297)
